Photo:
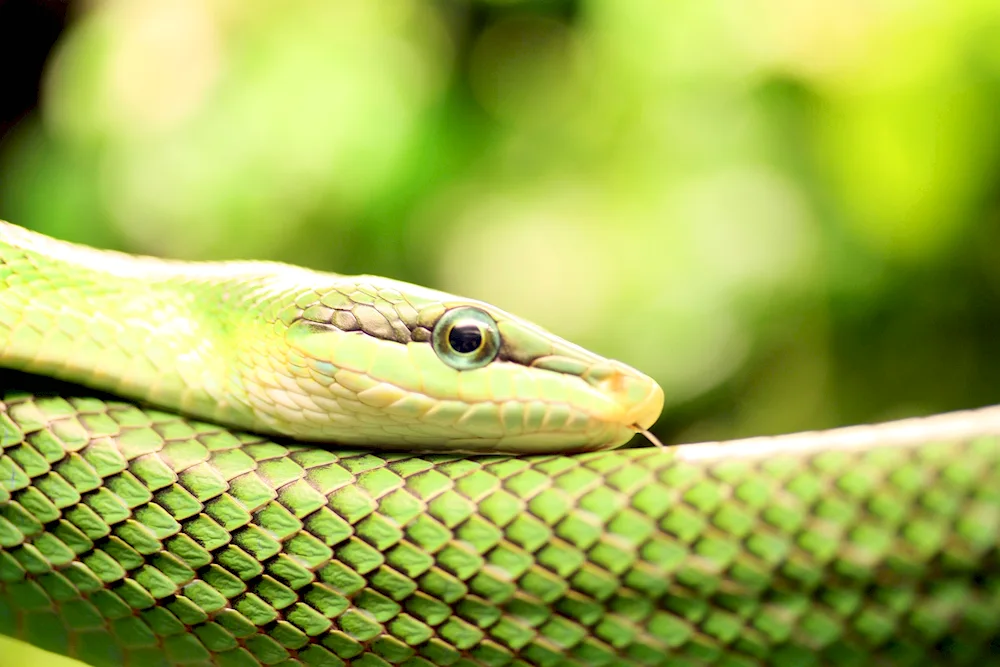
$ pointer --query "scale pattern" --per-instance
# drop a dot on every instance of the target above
(130, 536)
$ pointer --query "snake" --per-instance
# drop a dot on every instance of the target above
(247, 462)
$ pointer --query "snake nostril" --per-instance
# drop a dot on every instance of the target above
(639, 396)
(614, 383)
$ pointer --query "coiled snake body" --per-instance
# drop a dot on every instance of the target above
(142, 523)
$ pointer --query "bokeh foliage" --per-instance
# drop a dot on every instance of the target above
(786, 212)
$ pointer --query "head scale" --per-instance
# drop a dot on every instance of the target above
(383, 363)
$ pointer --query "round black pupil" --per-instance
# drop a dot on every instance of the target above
(465, 338)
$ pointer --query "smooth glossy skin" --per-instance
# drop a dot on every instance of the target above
(286, 351)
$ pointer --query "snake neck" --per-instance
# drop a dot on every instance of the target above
(167, 333)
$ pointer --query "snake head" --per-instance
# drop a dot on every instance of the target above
(382, 363)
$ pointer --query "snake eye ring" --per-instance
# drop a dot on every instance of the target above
(466, 338)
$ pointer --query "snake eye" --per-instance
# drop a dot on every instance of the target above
(466, 338)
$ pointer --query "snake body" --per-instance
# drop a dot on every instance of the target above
(282, 350)
(133, 534)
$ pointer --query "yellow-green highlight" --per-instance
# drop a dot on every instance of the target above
(15, 654)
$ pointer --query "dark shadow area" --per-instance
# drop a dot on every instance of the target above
(28, 31)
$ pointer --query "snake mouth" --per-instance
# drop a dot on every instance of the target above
(645, 412)
(629, 401)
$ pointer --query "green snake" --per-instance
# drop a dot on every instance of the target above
(261, 464)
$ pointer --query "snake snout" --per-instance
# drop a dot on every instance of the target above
(639, 396)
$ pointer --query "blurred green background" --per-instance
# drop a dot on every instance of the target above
(787, 212)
